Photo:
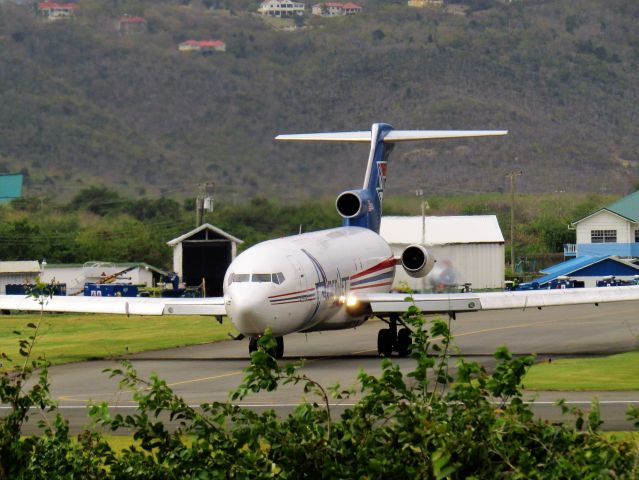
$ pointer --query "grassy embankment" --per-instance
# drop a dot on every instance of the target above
(616, 372)
(65, 338)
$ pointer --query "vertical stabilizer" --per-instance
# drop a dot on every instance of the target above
(363, 208)
(374, 180)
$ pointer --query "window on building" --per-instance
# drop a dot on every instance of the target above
(636, 236)
(603, 236)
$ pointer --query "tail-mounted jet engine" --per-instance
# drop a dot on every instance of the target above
(353, 203)
(417, 261)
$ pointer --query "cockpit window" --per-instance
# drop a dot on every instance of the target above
(239, 278)
(277, 278)
(261, 277)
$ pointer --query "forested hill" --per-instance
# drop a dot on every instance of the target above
(81, 104)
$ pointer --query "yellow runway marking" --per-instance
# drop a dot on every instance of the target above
(509, 327)
(203, 379)
(596, 316)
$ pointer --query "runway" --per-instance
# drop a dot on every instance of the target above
(207, 373)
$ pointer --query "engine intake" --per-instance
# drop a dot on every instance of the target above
(417, 261)
(349, 204)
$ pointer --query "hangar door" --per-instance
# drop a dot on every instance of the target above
(206, 259)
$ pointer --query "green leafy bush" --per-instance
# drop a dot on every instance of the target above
(427, 423)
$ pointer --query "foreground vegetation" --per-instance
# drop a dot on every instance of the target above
(404, 426)
(616, 372)
(64, 338)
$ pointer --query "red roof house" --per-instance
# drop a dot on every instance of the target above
(129, 24)
(55, 11)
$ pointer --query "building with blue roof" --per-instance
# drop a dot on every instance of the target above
(607, 245)
(590, 269)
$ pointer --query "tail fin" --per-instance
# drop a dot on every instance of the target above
(382, 137)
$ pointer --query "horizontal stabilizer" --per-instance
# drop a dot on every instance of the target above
(391, 137)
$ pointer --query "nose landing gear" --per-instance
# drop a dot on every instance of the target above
(389, 340)
(277, 352)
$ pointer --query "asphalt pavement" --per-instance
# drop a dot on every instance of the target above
(208, 372)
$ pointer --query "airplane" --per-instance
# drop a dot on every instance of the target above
(332, 279)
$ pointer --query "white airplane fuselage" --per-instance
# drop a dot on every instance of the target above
(302, 283)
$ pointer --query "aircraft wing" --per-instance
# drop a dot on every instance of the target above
(118, 305)
(381, 303)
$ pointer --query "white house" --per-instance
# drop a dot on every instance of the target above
(281, 8)
(612, 230)
(467, 249)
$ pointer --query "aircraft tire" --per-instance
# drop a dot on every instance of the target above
(279, 349)
(404, 341)
(385, 342)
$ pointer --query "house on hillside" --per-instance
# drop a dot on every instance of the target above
(56, 11)
(203, 47)
(281, 8)
(127, 25)
(612, 230)
(335, 9)
(425, 3)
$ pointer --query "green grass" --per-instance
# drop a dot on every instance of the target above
(616, 372)
(65, 338)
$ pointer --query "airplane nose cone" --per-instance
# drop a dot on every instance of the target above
(248, 313)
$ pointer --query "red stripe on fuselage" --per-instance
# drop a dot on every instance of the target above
(373, 285)
(389, 262)
(292, 293)
(295, 301)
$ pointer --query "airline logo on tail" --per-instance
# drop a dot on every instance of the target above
(381, 180)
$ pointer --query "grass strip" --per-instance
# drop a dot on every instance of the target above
(65, 338)
(616, 372)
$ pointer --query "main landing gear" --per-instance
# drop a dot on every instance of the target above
(277, 352)
(389, 339)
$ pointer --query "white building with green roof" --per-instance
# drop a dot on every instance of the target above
(612, 230)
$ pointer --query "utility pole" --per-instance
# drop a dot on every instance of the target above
(512, 176)
(203, 202)
(424, 206)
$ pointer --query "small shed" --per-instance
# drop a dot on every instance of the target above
(201, 257)
(467, 249)
(18, 272)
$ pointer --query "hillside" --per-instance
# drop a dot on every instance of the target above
(82, 105)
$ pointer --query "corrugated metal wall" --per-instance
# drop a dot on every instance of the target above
(479, 264)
